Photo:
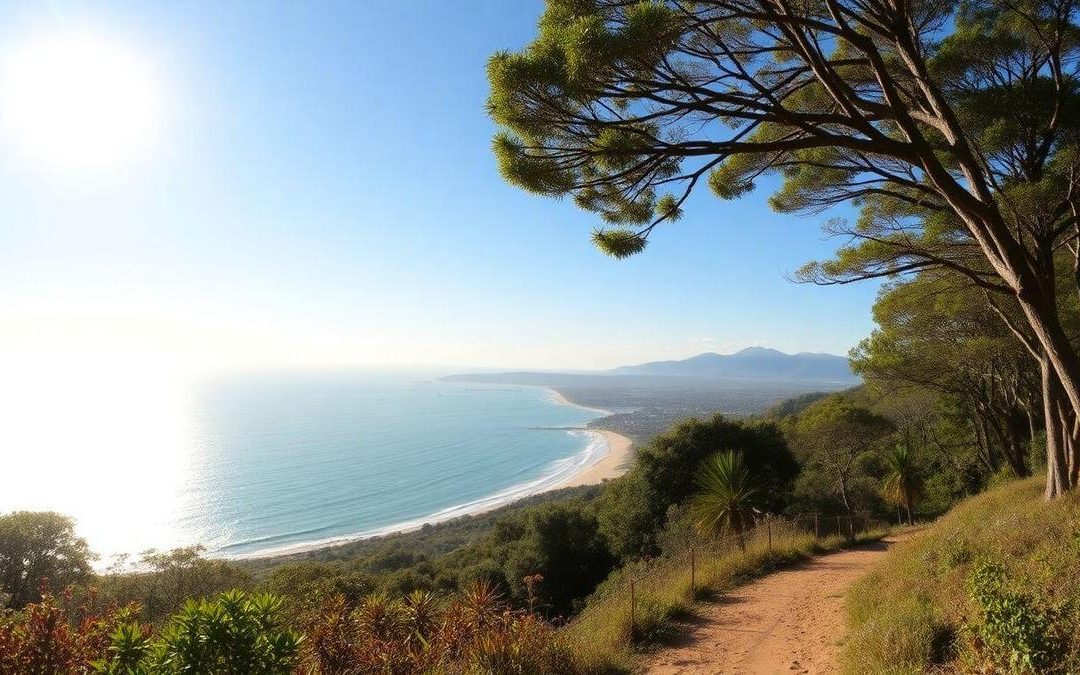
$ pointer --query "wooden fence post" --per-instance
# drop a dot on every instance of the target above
(692, 573)
(816, 528)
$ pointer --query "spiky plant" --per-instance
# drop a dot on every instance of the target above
(726, 497)
(902, 483)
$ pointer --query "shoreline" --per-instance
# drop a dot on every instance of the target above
(586, 467)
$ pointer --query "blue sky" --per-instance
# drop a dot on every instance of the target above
(320, 191)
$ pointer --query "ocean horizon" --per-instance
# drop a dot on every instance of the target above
(274, 463)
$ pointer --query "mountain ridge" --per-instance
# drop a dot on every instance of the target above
(751, 362)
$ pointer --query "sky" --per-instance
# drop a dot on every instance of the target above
(311, 184)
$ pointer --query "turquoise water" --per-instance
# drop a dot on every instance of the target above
(285, 461)
(260, 463)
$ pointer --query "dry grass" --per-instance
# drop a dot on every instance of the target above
(915, 611)
(601, 639)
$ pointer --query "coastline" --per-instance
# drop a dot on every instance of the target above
(590, 466)
(614, 463)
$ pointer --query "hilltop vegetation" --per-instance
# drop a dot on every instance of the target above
(991, 587)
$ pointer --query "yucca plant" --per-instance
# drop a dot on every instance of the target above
(902, 484)
(726, 496)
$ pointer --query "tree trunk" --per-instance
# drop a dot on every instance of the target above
(1042, 316)
(844, 494)
(1057, 480)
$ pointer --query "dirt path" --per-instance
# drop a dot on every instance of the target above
(788, 622)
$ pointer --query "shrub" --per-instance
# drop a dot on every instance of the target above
(1015, 631)
(474, 631)
(56, 635)
(236, 633)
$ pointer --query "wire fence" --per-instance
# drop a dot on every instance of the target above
(655, 577)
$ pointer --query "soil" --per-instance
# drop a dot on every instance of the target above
(792, 621)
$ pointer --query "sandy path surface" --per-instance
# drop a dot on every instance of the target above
(791, 621)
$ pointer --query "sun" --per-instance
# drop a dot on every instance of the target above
(78, 101)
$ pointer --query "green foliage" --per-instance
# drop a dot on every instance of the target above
(726, 496)
(633, 509)
(561, 543)
(37, 547)
(1015, 631)
(619, 243)
(235, 633)
(161, 582)
(902, 483)
(836, 439)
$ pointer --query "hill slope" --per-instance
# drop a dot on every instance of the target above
(990, 587)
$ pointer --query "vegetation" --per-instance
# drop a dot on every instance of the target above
(724, 502)
(950, 126)
(37, 546)
(476, 631)
(902, 484)
(603, 637)
(990, 587)
(633, 511)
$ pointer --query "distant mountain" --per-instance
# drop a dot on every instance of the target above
(750, 363)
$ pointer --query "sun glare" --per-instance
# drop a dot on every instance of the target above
(78, 101)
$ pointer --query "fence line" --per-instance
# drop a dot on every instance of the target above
(760, 537)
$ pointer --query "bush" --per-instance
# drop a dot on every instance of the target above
(236, 633)
(475, 631)
(56, 635)
(1017, 633)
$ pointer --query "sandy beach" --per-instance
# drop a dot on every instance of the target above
(614, 464)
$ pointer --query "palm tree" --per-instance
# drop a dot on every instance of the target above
(902, 484)
(726, 496)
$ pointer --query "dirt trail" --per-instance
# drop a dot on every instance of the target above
(790, 621)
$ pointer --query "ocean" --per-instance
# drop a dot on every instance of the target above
(267, 463)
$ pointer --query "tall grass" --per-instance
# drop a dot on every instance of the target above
(990, 587)
(605, 638)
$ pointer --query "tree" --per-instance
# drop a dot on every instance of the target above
(726, 496)
(633, 510)
(934, 332)
(902, 483)
(38, 547)
(161, 582)
(832, 435)
(562, 543)
(952, 126)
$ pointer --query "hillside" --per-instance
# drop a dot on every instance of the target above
(990, 587)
